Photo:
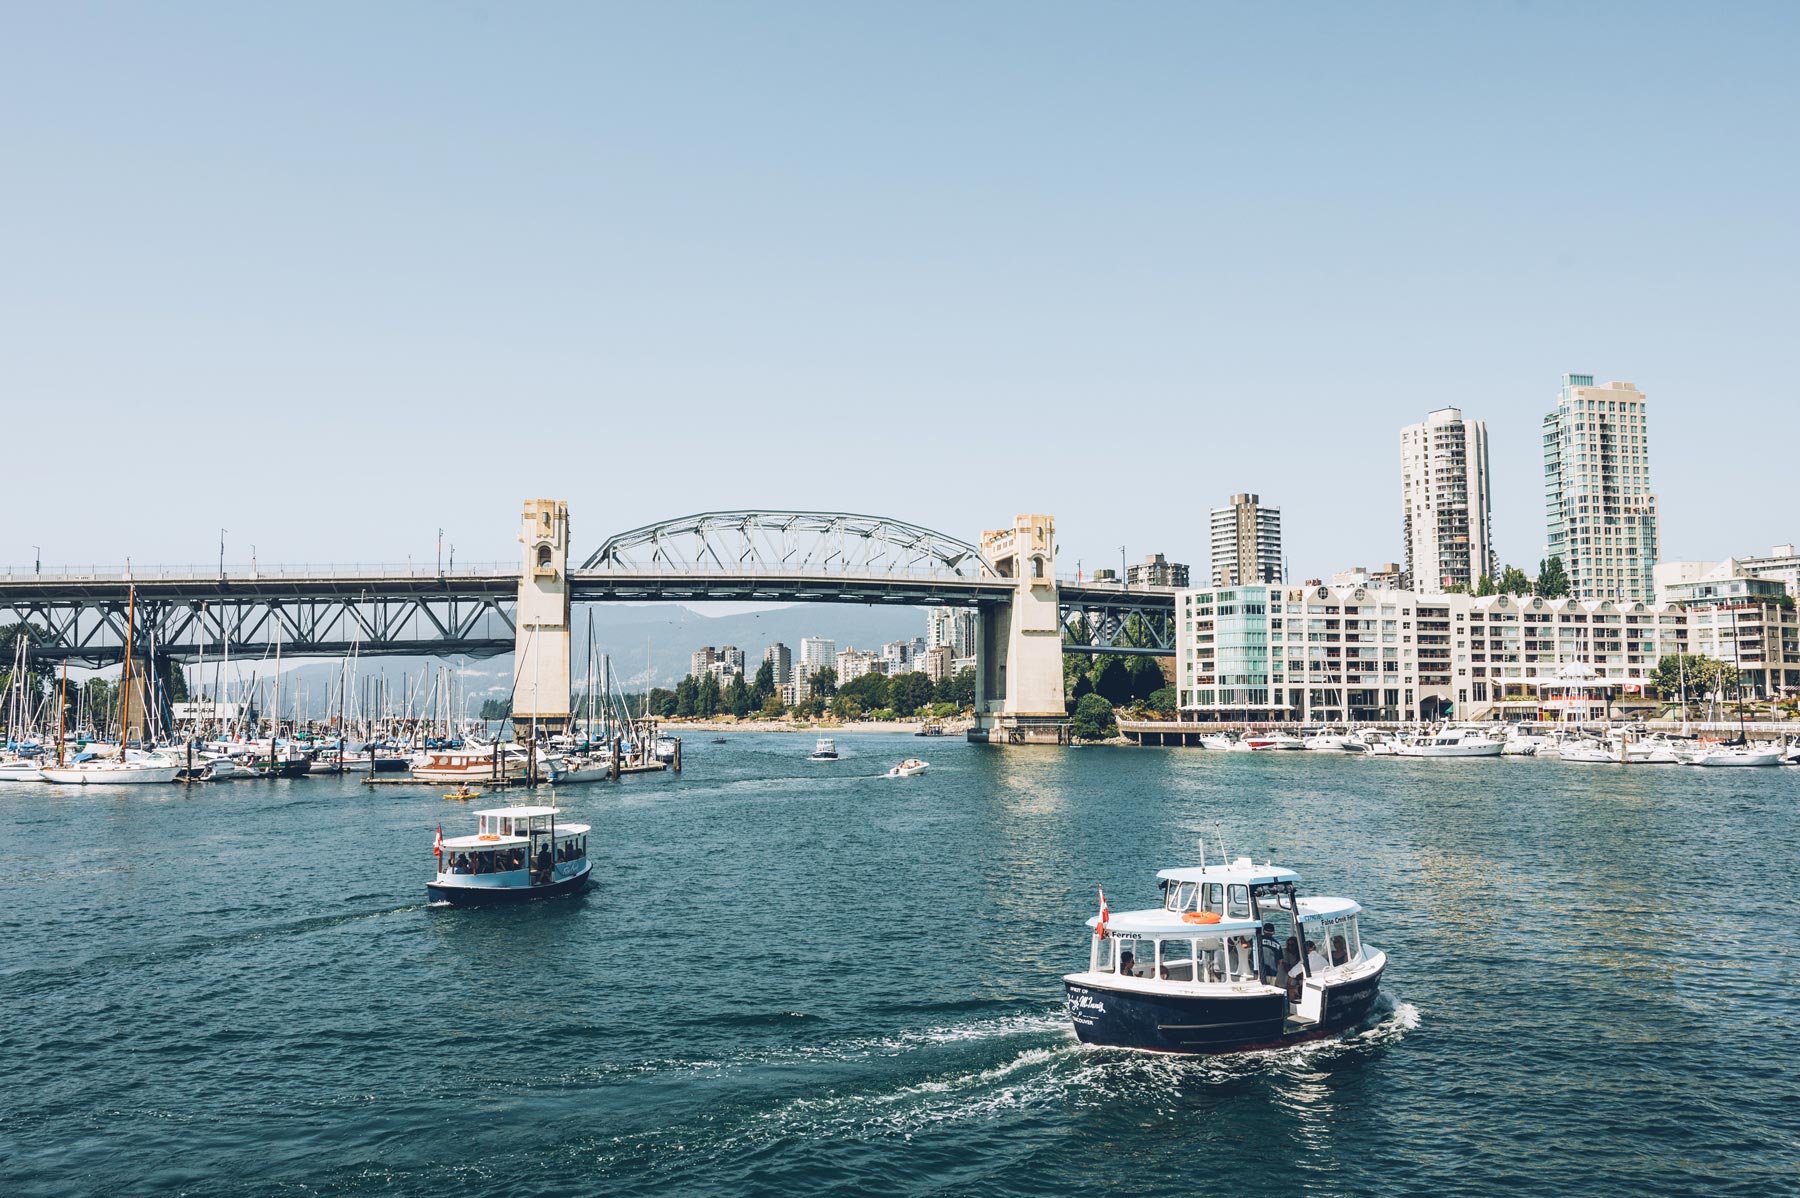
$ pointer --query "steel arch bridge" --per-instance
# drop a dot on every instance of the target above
(829, 543)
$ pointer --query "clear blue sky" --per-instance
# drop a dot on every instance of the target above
(334, 275)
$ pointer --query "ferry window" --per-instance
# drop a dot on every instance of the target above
(1178, 960)
(1185, 900)
(1351, 939)
(1215, 896)
(1103, 955)
(1141, 954)
(1240, 903)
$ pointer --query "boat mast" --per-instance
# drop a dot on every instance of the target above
(62, 711)
(125, 688)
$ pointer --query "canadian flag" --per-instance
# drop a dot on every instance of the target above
(1100, 927)
(437, 846)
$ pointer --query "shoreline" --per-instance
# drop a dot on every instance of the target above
(671, 728)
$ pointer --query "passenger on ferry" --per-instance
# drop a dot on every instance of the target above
(1127, 964)
(1267, 950)
(1315, 960)
(1340, 952)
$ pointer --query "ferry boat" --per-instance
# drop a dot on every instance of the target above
(824, 750)
(517, 853)
(909, 767)
(1451, 742)
(1234, 959)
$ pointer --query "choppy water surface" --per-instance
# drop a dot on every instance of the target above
(794, 978)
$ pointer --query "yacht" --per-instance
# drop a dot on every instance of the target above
(1737, 755)
(1261, 742)
(1233, 959)
(1222, 741)
(824, 750)
(1451, 742)
(21, 769)
(1324, 740)
(517, 853)
(476, 762)
(131, 768)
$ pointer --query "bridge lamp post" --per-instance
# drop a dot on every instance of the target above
(440, 553)
(222, 533)
(37, 564)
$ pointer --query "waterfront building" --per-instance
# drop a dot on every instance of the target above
(781, 663)
(1246, 542)
(1339, 653)
(1781, 564)
(896, 656)
(1156, 571)
(1600, 514)
(1446, 513)
(702, 661)
(1746, 622)
(939, 663)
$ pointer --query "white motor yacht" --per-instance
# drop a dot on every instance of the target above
(1738, 755)
(1451, 742)
(1262, 742)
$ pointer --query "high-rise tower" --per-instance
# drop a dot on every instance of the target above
(1444, 502)
(1599, 512)
(1246, 542)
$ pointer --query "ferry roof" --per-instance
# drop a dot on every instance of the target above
(1243, 870)
(1317, 908)
(517, 811)
(1157, 923)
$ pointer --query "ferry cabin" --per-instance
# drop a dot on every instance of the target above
(1201, 973)
(516, 853)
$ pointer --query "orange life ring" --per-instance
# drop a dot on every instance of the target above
(487, 838)
(1201, 917)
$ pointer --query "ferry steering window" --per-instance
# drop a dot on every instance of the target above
(1215, 896)
(1351, 939)
(1185, 900)
(1103, 955)
(1240, 902)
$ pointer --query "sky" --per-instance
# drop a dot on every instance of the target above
(334, 276)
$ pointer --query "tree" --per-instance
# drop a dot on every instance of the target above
(1146, 676)
(1513, 581)
(1484, 585)
(706, 702)
(765, 681)
(1699, 676)
(908, 692)
(737, 697)
(957, 688)
(824, 681)
(1112, 681)
(870, 690)
(1552, 579)
(844, 707)
(495, 709)
(1094, 719)
(1162, 702)
(687, 696)
(663, 702)
(773, 708)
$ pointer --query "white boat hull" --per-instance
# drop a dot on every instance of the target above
(1767, 757)
(1489, 750)
(21, 771)
(133, 775)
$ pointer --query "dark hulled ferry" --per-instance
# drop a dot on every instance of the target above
(1234, 959)
(518, 853)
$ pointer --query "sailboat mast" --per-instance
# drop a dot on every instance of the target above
(125, 679)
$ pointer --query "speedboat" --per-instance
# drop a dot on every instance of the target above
(133, 768)
(1326, 741)
(1206, 972)
(21, 769)
(1265, 741)
(517, 853)
(1223, 741)
(223, 769)
(909, 767)
(1451, 742)
(824, 750)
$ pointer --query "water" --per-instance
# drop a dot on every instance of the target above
(797, 978)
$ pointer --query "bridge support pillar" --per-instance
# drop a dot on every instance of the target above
(1018, 660)
(541, 644)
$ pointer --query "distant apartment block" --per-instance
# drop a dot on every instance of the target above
(1386, 577)
(1600, 514)
(781, 663)
(1246, 542)
(955, 627)
(1157, 571)
(1446, 511)
(815, 654)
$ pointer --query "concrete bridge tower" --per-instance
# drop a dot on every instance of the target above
(541, 645)
(1018, 663)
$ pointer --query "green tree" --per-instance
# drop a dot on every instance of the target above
(1552, 579)
(687, 696)
(1146, 676)
(495, 709)
(908, 692)
(1162, 702)
(1484, 585)
(844, 707)
(737, 697)
(663, 702)
(773, 708)
(765, 682)
(824, 682)
(1093, 720)
(870, 690)
(957, 688)
(1514, 581)
(706, 702)
(1112, 681)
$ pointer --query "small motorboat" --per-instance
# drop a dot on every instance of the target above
(224, 769)
(909, 767)
(1263, 742)
(21, 769)
(1206, 971)
(718, 740)
(517, 853)
(824, 750)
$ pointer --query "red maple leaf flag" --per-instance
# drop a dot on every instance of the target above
(1100, 928)
(437, 846)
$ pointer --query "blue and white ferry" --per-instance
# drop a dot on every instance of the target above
(1233, 959)
(517, 853)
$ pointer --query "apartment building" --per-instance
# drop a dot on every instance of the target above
(1600, 514)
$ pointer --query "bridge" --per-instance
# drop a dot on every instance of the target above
(1029, 616)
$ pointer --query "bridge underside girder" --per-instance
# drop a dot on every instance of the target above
(1142, 626)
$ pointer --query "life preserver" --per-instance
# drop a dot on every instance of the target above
(1201, 917)
(487, 838)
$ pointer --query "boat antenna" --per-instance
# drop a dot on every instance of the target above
(1203, 851)
(1219, 827)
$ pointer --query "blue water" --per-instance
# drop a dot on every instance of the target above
(796, 978)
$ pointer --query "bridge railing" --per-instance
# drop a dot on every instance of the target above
(765, 570)
(254, 571)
